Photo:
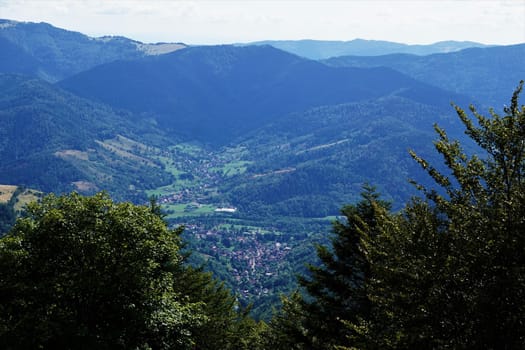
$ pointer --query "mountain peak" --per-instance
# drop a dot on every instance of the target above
(56, 53)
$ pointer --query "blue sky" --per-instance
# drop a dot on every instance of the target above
(215, 22)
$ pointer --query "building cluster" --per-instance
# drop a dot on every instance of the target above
(253, 263)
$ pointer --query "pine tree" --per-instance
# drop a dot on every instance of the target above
(224, 325)
(448, 272)
(286, 330)
(337, 289)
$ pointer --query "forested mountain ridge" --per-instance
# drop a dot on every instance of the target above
(216, 93)
(326, 153)
(486, 74)
(55, 141)
(323, 49)
(50, 53)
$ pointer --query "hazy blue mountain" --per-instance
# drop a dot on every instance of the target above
(322, 49)
(14, 59)
(486, 74)
(56, 53)
(54, 141)
(216, 93)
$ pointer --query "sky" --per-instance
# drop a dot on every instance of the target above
(223, 22)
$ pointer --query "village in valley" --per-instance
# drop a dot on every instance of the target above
(254, 258)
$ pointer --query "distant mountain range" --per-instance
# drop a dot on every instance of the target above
(323, 49)
(486, 74)
(51, 53)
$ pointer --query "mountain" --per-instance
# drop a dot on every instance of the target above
(321, 49)
(52, 54)
(54, 141)
(488, 74)
(217, 93)
(310, 163)
(15, 60)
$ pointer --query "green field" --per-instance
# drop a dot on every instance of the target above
(22, 197)
(177, 210)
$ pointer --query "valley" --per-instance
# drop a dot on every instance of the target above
(253, 255)
(252, 149)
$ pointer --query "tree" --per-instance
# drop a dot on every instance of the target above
(224, 326)
(337, 289)
(449, 272)
(484, 206)
(410, 269)
(286, 330)
(83, 272)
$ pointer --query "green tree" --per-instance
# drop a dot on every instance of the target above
(286, 330)
(449, 271)
(409, 259)
(484, 207)
(224, 327)
(83, 272)
(336, 290)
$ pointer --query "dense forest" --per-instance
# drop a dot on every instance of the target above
(444, 271)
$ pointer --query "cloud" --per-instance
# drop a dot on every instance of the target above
(222, 21)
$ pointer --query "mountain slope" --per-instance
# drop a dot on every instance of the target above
(488, 74)
(216, 93)
(54, 141)
(309, 164)
(57, 53)
(15, 60)
(322, 49)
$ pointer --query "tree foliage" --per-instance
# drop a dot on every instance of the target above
(483, 211)
(337, 289)
(7, 217)
(449, 271)
(84, 272)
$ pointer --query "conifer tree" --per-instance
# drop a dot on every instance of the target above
(224, 325)
(286, 330)
(337, 289)
(448, 271)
